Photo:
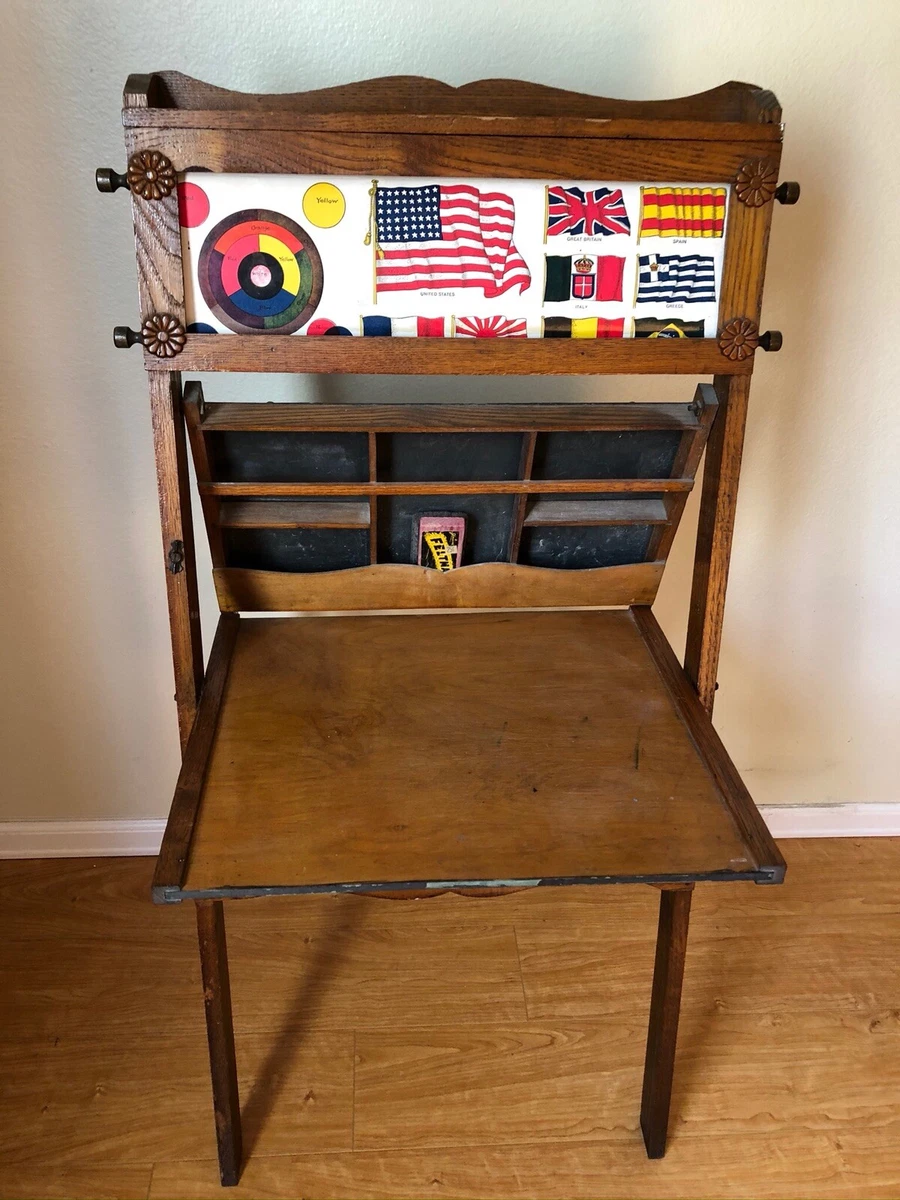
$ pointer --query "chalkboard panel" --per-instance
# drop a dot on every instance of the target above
(644, 454)
(435, 457)
(570, 547)
(238, 456)
(488, 525)
(296, 549)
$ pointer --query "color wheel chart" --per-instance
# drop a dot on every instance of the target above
(260, 272)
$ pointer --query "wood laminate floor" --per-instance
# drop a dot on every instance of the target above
(454, 1047)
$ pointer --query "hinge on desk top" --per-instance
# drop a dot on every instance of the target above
(770, 875)
(175, 557)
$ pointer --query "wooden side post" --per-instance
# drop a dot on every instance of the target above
(157, 239)
(220, 1032)
(718, 502)
(665, 1005)
(178, 543)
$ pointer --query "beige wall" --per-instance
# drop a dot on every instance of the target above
(808, 700)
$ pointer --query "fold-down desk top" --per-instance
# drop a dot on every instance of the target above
(427, 751)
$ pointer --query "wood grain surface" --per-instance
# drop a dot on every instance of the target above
(464, 487)
(512, 156)
(172, 861)
(541, 125)
(488, 746)
(549, 511)
(220, 1038)
(173, 487)
(176, 94)
(193, 406)
(665, 1009)
(449, 356)
(401, 585)
(529, 1010)
(715, 532)
(448, 418)
(283, 514)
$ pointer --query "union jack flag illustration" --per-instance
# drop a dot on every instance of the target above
(481, 327)
(572, 210)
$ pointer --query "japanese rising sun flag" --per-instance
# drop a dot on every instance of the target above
(682, 212)
(572, 210)
(493, 327)
(446, 236)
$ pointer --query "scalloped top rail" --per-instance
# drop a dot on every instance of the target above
(731, 103)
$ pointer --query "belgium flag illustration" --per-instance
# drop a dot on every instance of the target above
(584, 327)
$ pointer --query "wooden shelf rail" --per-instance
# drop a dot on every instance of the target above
(467, 487)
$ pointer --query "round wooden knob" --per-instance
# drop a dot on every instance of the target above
(108, 180)
(788, 192)
(771, 340)
(123, 337)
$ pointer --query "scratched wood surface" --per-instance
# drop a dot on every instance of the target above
(453, 747)
(449, 356)
(474, 1048)
(396, 585)
(165, 96)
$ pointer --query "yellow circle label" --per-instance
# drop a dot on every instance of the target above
(323, 205)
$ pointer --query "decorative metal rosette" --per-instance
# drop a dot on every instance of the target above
(150, 175)
(163, 335)
(739, 338)
(755, 182)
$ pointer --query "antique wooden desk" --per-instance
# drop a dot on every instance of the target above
(402, 226)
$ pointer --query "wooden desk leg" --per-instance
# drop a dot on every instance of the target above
(665, 1004)
(220, 1031)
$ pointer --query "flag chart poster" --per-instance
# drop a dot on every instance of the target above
(349, 256)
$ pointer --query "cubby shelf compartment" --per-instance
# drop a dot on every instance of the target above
(550, 511)
(294, 514)
(297, 490)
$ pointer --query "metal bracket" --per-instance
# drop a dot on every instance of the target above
(175, 557)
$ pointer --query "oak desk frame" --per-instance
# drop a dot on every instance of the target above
(417, 127)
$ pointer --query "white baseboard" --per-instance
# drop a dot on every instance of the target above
(79, 839)
(832, 820)
(99, 839)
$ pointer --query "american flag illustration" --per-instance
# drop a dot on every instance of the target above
(572, 210)
(493, 327)
(446, 236)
